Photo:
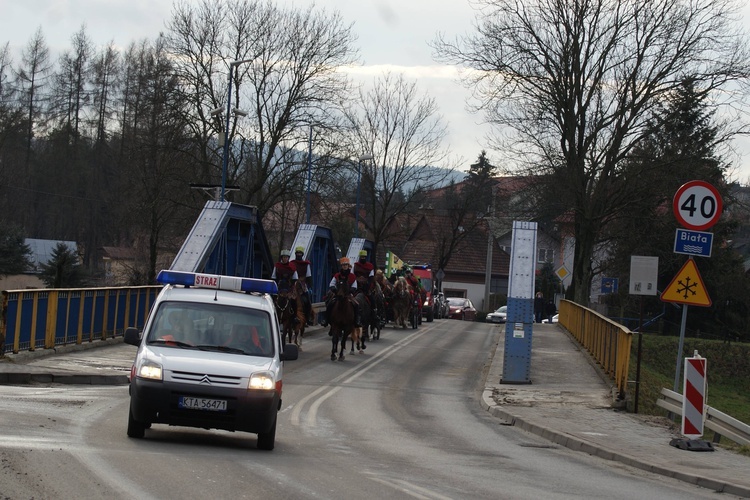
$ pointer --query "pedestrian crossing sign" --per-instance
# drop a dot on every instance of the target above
(687, 287)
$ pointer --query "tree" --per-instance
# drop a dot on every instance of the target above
(289, 81)
(467, 207)
(63, 269)
(575, 83)
(681, 146)
(403, 132)
(15, 255)
(155, 155)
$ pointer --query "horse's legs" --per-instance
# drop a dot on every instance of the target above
(334, 342)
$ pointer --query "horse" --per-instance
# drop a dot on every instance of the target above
(285, 303)
(377, 319)
(386, 293)
(360, 333)
(341, 319)
(401, 301)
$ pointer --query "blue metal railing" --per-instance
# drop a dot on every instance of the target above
(45, 318)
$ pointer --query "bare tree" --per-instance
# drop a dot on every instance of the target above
(403, 132)
(287, 82)
(576, 82)
(72, 93)
(154, 158)
(31, 78)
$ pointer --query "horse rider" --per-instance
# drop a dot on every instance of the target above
(285, 274)
(303, 270)
(364, 272)
(344, 275)
(416, 287)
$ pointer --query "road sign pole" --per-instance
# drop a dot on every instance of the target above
(678, 369)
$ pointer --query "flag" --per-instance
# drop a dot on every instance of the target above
(392, 264)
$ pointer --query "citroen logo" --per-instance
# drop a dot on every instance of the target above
(206, 380)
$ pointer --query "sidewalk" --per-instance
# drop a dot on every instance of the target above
(569, 403)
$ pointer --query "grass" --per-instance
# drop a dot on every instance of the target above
(727, 376)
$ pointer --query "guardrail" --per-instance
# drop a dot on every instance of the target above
(45, 318)
(721, 423)
(607, 342)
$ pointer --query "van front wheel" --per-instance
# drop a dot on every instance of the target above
(266, 440)
(136, 429)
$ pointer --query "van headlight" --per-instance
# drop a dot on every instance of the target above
(264, 381)
(150, 370)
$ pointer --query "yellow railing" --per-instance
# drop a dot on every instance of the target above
(607, 342)
(45, 318)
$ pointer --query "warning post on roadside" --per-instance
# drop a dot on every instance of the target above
(693, 406)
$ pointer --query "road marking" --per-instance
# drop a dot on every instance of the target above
(410, 489)
(347, 377)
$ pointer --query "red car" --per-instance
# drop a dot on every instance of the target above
(461, 308)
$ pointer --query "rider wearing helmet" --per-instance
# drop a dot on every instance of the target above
(344, 275)
(285, 274)
(303, 271)
(364, 271)
(416, 287)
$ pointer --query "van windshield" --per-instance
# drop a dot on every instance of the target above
(212, 327)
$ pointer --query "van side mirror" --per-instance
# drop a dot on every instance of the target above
(132, 336)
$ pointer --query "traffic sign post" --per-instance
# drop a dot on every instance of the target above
(687, 287)
(697, 205)
(693, 242)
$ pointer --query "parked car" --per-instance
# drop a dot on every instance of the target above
(441, 305)
(500, 315)
(461, 308)
(554, 319)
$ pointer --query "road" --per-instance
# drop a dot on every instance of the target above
(402, 420)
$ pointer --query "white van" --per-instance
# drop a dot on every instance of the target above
(211, 356)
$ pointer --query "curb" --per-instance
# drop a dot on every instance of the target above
(26, 378)
(577, 444)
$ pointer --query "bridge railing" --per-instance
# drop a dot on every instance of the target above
(45, 318)
(607, 342)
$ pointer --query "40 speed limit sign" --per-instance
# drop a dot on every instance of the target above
(697, 205)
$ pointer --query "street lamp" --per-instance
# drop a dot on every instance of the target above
(238, 112)
(359, 177)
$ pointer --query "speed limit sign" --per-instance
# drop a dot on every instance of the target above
(697, 205)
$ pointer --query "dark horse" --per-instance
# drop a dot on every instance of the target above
(401, 301)
(341, 319)
(287, 312)
(375, 319)
(365, 314)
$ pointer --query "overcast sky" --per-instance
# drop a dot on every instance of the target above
(393, 35)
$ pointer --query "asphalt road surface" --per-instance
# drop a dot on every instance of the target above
(402, 420)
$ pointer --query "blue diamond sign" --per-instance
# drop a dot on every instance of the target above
(690, 242)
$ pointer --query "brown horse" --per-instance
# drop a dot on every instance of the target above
(401, 301)
(285, 307)
(341, 319)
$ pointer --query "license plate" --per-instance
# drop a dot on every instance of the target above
(189, 403)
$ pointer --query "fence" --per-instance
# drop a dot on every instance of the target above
(721, 423)
(46, 318)
(607, 342)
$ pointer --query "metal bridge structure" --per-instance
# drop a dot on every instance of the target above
(359, 244)
(320, 249)
(227, 239)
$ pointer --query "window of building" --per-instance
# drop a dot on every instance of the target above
(545, 255)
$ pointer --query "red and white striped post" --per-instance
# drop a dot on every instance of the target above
(694, 397)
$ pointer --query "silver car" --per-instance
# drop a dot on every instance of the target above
(499, 316)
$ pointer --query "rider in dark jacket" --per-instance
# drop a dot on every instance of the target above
(344, 275)
(285, 274)
(303, 271)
